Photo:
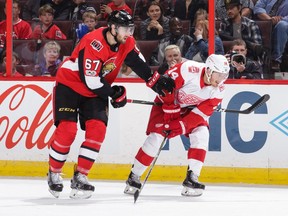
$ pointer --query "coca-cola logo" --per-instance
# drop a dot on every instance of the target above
(20, 124)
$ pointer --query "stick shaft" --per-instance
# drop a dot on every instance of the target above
(254, 106)
(137, 193)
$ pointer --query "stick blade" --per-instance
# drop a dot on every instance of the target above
(257, 104)
(136, 195)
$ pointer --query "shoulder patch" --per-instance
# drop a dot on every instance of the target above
(96, 45)
(58, 33)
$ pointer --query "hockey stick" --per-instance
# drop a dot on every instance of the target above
(137, 192)
(250, 109)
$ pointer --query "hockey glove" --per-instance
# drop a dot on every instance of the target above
(81, 30)
(171, 112)
(176, 127)
(118, 99)
(160, 83)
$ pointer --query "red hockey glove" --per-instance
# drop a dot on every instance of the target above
(119, 97)
(171, 112)
(160, 83)
(176, 127)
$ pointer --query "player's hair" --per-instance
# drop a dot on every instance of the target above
(45, 9)
(50, 45)
(89, 14)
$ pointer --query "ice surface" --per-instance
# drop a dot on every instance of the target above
(21, 197)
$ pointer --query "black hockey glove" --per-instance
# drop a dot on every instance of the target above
(118, 99)
(160, 83)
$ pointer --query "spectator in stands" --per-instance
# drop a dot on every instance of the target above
(198, 50)
(89, 24)
(79, 7)
(240, 27)
(156, 27)
(241, 66)
(47, 29)
(246, 9)
(183, 41)
(186, 9)
(140, 8)
(61, 8)
(277, 12)
(201, 14)
(50, 63)
(126, 72)
(284, 63)
(172, 57)
(105, 10)
(21, 29)
(15, 62)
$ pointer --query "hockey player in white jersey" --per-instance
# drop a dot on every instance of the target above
(200, 85)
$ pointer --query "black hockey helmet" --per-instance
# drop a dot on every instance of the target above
(120, 18)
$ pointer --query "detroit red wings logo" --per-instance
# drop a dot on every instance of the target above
(191, 99)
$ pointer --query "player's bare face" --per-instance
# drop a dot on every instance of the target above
(217, 78)
(123, 32)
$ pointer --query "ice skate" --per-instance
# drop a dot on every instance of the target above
(132, 184)
(55, 183)
(81, 188)
(192, 187)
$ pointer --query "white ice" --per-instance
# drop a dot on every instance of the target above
(21, 197)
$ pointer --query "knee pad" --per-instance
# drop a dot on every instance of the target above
(152, 144)
(95, 130)
(66, 132)
(199, 138)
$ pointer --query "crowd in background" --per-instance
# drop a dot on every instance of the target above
(54, 27)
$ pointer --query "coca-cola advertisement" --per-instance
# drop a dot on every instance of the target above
(26, 120)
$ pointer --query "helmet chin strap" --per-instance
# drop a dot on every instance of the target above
(115, 36)
(208, 76)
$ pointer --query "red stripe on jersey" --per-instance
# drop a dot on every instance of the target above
(143, 158)
(197, 154)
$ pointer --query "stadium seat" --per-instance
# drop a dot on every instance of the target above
(147, 47)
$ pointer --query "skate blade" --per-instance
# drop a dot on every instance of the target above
(130, 190)
(56, 194)
(193, 192)
(80, 194)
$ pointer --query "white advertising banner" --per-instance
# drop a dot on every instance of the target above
(257, 140)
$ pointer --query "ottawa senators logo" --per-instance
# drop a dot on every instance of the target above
(108, 66)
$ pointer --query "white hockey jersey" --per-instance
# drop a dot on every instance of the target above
(190, 90)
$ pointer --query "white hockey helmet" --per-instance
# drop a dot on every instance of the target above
(218, 63)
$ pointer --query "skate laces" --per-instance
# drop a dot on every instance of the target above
(192, 176)
(56, 178)
(135, 178)
(81, 178)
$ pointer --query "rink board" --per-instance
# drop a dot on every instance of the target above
(243, 148)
